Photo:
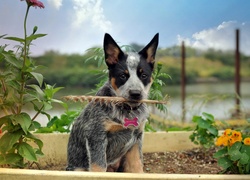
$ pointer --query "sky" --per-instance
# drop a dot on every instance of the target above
(73, 26)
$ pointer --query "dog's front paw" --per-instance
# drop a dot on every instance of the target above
(97, 168)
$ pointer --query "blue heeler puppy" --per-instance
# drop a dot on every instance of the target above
(109, 137)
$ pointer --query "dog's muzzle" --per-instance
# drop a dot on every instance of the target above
(135, 95)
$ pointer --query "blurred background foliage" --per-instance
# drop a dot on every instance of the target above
(72, 70)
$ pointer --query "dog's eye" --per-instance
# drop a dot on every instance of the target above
(123, 76)
(144, 76)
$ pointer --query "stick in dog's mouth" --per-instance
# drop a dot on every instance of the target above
(109, 99)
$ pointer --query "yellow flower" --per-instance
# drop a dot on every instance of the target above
(227, 132)
(235, 137)
(222, 140)
(228, 138)
(247, 141)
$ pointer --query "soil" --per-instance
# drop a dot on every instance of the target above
(194, 161)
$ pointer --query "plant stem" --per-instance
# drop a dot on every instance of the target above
(3, 85)
(24, 60)
(1, 100)
(38, 112)
(25, 34)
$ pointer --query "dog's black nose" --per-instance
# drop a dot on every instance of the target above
(135, 94)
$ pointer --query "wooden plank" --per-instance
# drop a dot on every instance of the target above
(167, 141)
(22, 174)
(55, 145)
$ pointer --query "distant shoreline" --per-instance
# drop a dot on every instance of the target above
(216, 80)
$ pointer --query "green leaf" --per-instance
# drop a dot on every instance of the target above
(203, 123)
(5, 119)
(224, 162)
(236, 146)
(47, 106)
(34, 126)
(208, 116)
(52, 121)
(38, 90)
(234, 155)
(27, 151)
(38, 77)
(196, 118)
(12, 60)
(57, 101)
(3, 35)
(57, 89)
(213, 130)
(244, 159)
(248, 168)
(220, 153)
(35, 36)
(234, 151)
(37, 141)
(192, 137)
(10, 158)
(15, 39)
(50, 90)
(149, 128)
(45, 130)
(46, 114)
(29, 98)
(245, 149)
(39, 152)
(65, 105)
(14, 84)
(9, 139)
(24, 120)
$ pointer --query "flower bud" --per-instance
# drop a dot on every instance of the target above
(35, 29)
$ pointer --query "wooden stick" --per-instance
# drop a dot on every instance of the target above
(108, 99)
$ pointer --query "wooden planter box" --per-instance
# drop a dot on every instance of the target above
(55, 147)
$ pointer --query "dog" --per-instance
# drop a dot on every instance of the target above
(106, 137)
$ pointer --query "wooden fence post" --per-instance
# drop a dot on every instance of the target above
(237, 75)
(183, 82)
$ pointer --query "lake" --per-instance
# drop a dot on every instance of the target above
(214, 98)
(217, 99)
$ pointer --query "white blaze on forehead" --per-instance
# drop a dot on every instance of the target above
(133, 61)
(133, 82)
(132, 57)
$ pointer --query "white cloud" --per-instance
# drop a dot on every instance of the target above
(55, 3)
(90, 11)
(220, 37)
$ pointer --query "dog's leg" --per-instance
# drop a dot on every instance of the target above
(88, 154)
(97, 155)
(133, 159)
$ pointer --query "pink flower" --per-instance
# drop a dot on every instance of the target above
(35, 3)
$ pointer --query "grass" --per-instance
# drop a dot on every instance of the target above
(163, 124)
(204, 67)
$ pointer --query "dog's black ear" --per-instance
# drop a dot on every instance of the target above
(149, 51)
(111, 50)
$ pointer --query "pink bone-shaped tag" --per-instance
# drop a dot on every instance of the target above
(133, 122)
